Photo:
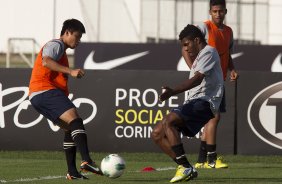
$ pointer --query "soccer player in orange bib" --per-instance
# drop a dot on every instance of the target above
(219, 36)
(48, 94)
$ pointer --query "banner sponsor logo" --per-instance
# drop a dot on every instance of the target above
(115, 105)
(22, 106)
(137, 111)
(236, 55)
(277, 64)
(110, 64)
(265, 115)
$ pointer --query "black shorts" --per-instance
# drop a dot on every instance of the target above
(52, 104)
(195, 114)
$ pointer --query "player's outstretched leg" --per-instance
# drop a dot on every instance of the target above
(70, 153)
(80, 138)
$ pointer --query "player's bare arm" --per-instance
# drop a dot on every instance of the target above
(186, 85)
(233, 73)
(54, 66)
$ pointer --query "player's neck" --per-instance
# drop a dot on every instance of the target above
(218, 25)
(62, 39)
(202, 45)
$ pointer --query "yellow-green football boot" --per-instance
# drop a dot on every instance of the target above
(184, 174)
(217, 164)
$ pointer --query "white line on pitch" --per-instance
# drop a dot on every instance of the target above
(32, 179)
(35, 179)
(57, 177)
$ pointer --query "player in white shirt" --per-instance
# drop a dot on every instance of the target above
(205, 85)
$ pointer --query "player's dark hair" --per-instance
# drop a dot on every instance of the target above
(217, 2)
(191, 32)
(72, 25)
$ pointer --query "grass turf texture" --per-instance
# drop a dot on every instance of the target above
(50, 167)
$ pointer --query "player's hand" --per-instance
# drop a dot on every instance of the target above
(77, 73)
(233, 75)
(166, 93)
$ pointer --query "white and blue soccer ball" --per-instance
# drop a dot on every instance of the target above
(113, 166)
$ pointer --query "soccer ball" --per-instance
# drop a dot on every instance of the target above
(113, 166)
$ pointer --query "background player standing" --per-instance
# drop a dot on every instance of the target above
(220, 36)
(48, 94)
(205, 85)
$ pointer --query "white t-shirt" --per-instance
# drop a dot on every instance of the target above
(211, 88)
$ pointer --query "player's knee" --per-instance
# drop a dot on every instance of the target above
(169, 121)
(157, 132)
(213, 122)
(69, 116)
(217, 118)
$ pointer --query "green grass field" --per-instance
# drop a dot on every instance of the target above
(50, 167)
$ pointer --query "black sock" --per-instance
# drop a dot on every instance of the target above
(180, 155)
(79, 137)
(202, 157)
(211, 153)
(70, 152)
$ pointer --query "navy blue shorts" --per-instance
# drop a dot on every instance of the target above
(195, 114)
(52, 104)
